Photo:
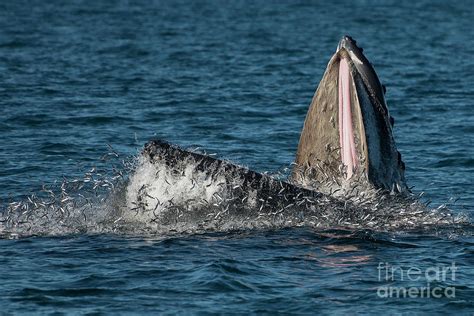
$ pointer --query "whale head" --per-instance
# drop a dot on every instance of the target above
(347, 135)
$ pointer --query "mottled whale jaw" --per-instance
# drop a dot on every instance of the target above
(347, 135)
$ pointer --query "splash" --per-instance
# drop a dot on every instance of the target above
(72, 206)
(179, 189)
(167, 190)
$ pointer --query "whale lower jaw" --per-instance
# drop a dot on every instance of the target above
(173, 186)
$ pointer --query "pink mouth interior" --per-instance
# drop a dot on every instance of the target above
(346, 131)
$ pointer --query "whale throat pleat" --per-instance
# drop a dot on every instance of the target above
(346, 130)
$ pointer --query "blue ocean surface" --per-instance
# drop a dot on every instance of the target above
(82, 79)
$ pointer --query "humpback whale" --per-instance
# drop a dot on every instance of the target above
(346, 141)
(347, 173)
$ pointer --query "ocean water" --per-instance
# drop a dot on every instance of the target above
(80, 78)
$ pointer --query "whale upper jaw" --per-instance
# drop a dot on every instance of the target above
(347, 135)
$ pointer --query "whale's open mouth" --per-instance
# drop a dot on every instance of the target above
(347, 135)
